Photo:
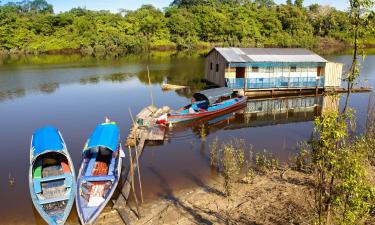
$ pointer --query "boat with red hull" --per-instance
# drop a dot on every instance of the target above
(206, 103)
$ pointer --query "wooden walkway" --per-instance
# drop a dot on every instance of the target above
(280, 92)
(123, 198)
(139, 134)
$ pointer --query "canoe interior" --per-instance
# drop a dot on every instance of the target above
(204, 106)
(97, 181)
(52, 181)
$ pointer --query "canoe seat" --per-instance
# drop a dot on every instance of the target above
(111, 168)
(51, 178)
(90, 165)
(99, 178)
(37, 181)
(57, 199)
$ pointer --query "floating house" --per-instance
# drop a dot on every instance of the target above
(281, 69)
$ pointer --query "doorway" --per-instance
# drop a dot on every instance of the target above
(240, 72)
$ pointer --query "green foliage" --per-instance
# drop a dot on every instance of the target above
(231, 167)
(343, 194)
(229, 160)
(33, 27)
(302, 161)
(298, 3)
(354, 196)
(265, 162)
(214, 153)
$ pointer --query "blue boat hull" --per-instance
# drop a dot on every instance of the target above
(99, 173)
(88, 214)
(211, 111)
(52, 184)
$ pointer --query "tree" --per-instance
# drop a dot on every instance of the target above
(40, 6)
(31, 26)
(359, 13)
(264, 3)
(298, 3)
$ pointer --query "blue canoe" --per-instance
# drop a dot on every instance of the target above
(207, 103)
(100, 171)
(52, 181)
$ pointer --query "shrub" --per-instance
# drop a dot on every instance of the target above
(265, 162)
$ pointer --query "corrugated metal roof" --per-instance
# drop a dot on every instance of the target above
(243, 55)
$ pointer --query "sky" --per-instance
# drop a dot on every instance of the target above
(115, 5)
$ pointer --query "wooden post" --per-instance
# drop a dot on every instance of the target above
(136, 157)
(139, 175)
(149, 83)
(244, 83)
(132, 180)
(225, 74)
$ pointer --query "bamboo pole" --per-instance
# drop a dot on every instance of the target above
(139, 175)
(149, 83)
(132, 180)
(131, 116)
(136, 156)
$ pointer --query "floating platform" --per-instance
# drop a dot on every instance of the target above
(145, 126)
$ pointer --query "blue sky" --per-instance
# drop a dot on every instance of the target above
(114, 5)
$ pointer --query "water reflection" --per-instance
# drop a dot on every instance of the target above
(21, 76)
(48, 87)
(11, 94)
(265, 112)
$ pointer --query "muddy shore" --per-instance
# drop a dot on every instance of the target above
(274, 198)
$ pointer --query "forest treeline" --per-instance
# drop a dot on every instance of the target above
(33, 27)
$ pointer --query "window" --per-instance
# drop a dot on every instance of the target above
(217, 67)
(293, 69)
(210, 66)
(255, 69)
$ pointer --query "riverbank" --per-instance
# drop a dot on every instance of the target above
(323, 46)
(278, 197)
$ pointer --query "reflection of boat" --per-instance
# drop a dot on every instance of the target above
(99, 173)
(206, 103)
(51, 176)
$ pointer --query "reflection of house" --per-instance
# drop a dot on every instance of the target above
(271, 68)
(273, 111)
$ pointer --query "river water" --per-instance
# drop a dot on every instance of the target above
(75, 93)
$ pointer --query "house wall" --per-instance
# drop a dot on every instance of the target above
(278, 75)
(211, 74)
(333, 74)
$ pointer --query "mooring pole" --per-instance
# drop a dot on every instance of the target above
(149, 83)
(132, 180)
(136, 157)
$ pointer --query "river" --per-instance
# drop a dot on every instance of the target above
(75, 93)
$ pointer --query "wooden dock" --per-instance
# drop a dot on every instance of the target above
(146, 121)
(283, 92)
(144, 130)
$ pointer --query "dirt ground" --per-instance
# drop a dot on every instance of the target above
(269, 199)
